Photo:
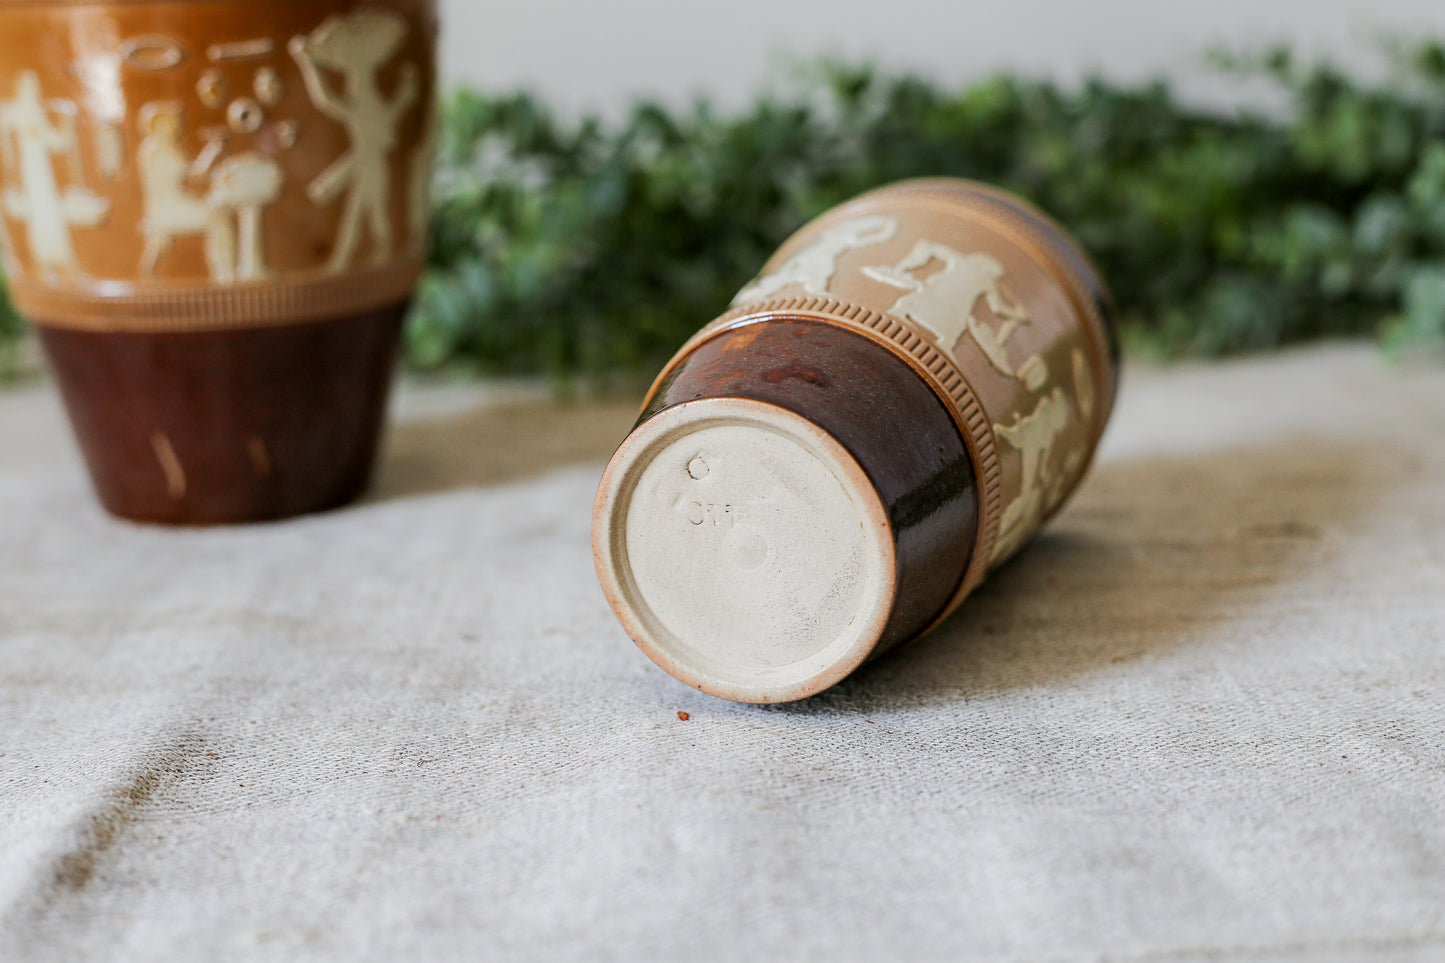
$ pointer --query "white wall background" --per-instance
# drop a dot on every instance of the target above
(598, 54)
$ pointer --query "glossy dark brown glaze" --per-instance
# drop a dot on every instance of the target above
(888, 419)
(214, 427)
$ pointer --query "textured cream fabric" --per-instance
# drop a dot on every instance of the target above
(1201, 718)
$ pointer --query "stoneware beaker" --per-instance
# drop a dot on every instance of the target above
(916, 381)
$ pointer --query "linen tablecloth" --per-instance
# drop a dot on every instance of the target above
(1200, 718)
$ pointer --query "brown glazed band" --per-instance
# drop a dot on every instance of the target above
(122, 307)
(212, 427)
(870, 400)
(937, 370)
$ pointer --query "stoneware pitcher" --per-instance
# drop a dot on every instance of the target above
(214, 213)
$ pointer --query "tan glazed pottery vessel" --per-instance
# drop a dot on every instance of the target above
(214, 212)
(917, 380)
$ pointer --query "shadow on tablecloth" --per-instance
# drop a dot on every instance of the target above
(489, 445)
(1152, 554)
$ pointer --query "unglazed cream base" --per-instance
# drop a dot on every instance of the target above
(745, 550)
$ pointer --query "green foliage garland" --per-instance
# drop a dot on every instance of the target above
(579, 249)
(582, 248)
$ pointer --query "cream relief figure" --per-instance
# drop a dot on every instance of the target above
(1069, 470)
(1083, 385)
(945, 303)
(1033, 436)
(7, 251)
(356, 46)
(216, 196)
(244, 185)
(1085, 402)
(170, 209)
(813, 267)
(227, 216)
(30, 140)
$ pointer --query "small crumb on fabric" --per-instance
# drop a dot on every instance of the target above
(683, 715)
